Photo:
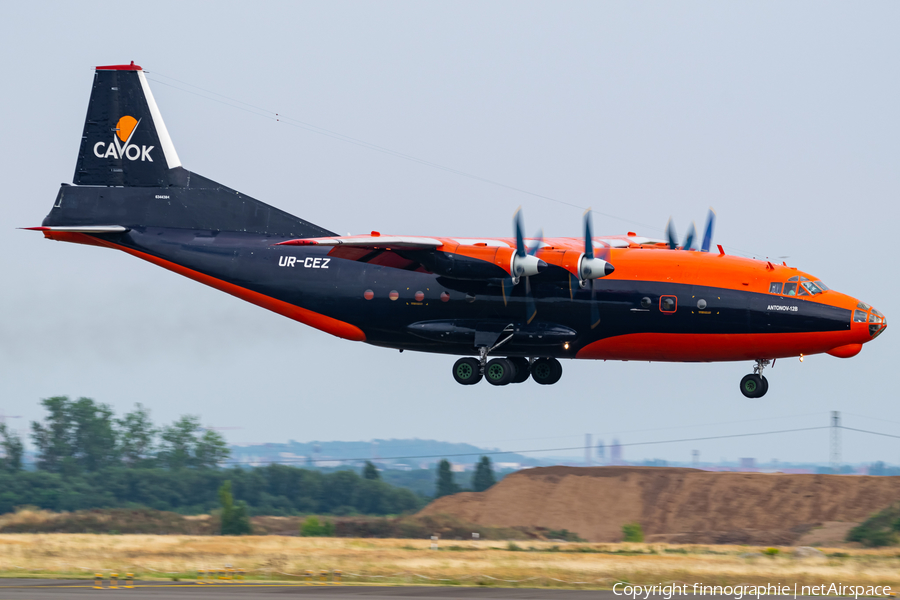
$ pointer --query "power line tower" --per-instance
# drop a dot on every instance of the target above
(835, 441)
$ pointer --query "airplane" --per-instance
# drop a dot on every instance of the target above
(510, 308)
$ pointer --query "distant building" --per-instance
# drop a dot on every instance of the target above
(747, 464)
(616, 453)
(601, 453)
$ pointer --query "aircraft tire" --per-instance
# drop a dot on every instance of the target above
(546, 371)
(523, 369)
(753, 386)
(467, 371)
(499, 371)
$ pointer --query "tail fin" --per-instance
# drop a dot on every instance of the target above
(129, 175)
(125, 141)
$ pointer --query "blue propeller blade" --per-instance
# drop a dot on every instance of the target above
(520, 238)
(689, 240)
(530, 306)
(588, 238)
(670, 234)
(708, 233)
(538, 241)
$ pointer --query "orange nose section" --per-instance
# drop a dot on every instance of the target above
(877, 323)
(846, 351)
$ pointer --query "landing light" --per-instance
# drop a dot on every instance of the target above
(801, 358)
(566, 345)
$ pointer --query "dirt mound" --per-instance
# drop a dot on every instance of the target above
(672, 505)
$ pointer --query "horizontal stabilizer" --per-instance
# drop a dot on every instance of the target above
(82, 229)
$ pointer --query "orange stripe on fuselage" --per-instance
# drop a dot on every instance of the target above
(716, 347)
(307, 317)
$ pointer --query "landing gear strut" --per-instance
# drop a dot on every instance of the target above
(755, 385)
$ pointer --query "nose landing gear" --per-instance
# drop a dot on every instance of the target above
(755, 385)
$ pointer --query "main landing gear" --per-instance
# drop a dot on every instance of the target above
(755, 385)
(503, 371)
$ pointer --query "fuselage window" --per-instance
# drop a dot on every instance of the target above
(790, 289)
(775, 287)
(668, 304)
(859, 316)
(811, 287)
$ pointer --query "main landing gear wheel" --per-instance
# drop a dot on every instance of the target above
(546, 371)
(500, 371)
(467, 371)
(523, 369)
(754, 386)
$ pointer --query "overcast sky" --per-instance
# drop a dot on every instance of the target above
(782, 116)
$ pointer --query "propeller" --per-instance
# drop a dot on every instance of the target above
(524, 264)
(591, 267)
(672, 237)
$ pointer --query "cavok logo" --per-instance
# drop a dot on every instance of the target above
(121, 146)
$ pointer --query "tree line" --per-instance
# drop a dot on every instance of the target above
(87, 457)
(82, 436)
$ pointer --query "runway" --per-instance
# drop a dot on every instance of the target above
(32, 589)
(48, 589)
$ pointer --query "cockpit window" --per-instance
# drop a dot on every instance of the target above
(859, 316)
(804, 279)
(822, 286)
(790, 289)
(801, 291)
(775, 287)
(794, 278)
(811, 287)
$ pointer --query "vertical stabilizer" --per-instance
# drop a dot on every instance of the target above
(125, 142)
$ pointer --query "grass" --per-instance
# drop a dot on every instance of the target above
(535, 564)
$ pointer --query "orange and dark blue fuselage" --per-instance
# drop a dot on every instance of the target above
(527, 302)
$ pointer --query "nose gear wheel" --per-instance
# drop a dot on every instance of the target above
(755, 385)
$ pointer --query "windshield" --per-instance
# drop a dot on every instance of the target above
(811, 287)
